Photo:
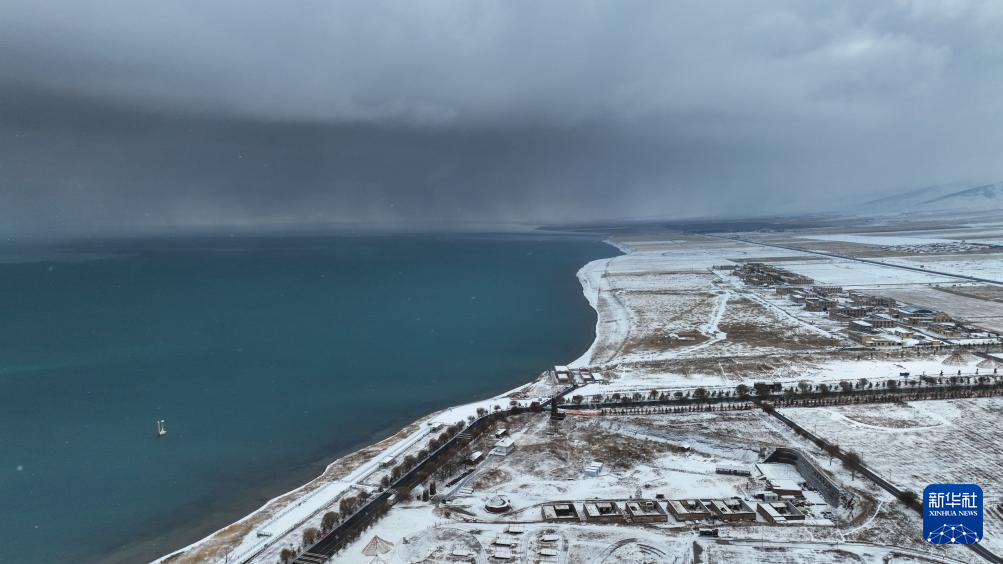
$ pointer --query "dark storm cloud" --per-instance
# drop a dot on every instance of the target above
(118, 114)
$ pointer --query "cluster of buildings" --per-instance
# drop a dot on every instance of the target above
(792, 488)
(872, 321)
(504, 546)
(582, 376)
(605, 511)
(730, 510)
(760, 274)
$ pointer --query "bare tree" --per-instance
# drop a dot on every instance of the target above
(909, 498)
(329, 520)
(742, 391)
(310, 536)
(347, 504)
(853, 461)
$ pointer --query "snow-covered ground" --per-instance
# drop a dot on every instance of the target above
(854, 274)
(670, 316)
(664, 301)
(977, 265)
(877, 239)
(671, 455)
(922, 443)
(260, 536)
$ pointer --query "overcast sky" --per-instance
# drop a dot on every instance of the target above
(122, 114)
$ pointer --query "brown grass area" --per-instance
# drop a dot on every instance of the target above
(562, 457)
(661, 341)
(749, 323)
(491, 478)
(845, 248)
(735, 365)
(756, 335)
(653, 329)
(622, 452)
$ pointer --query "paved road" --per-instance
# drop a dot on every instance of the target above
(368, 513)
(868, 261)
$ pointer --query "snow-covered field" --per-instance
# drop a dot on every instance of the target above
(671, 455)
(853, 274)
(988, 266)
(877, 239)
(922, 443)
(663, 301)
(670, 316)
(260, 536)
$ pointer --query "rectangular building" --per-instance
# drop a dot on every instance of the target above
(645, 511)
(733, 509)
(603, 512)
(560, 511)
(688, 509)
(780, 512)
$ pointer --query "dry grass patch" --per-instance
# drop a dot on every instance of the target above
(491, 478)
(664, 341)
(563, 457)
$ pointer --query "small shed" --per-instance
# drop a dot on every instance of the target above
(504, 446)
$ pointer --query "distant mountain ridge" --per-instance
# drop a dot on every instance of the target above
(979, 195)
(953, 196)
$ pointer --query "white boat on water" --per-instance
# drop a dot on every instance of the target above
(161, 427)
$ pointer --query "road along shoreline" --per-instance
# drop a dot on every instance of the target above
(281, 516)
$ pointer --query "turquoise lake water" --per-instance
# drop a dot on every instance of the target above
(268, 357)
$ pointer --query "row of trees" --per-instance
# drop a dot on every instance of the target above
(850, 459)
(889, 394)
(659, 410)
(311, 535)
(350, 504)
(763, 390)
(411, 460)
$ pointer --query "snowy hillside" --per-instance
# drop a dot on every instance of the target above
(954, 196)
(980, 198)
(912, 198)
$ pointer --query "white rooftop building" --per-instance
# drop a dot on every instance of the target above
(593, 469)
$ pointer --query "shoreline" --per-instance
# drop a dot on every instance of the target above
(218, 544)
(140, 550)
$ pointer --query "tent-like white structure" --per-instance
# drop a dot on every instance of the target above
(376, 548)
